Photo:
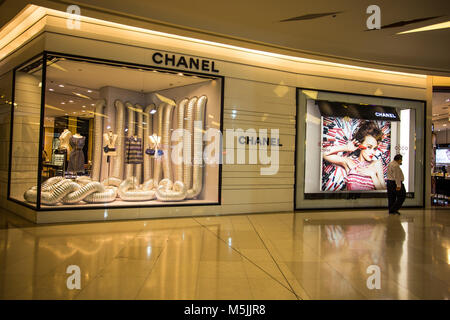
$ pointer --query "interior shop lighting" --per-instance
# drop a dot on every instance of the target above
(153, 111)
(436, 26)
(71, 101)
(51, 89)
(81, 95)
(52, 107)
(83, 106)
(63, 103)
(54, 65)
(89, 91)
(61, 86)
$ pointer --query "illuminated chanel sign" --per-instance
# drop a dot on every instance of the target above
(172, 60)
(385, 115)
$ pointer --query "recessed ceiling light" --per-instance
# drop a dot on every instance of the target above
(74, 112)
(61, 85)
(51, 89)
(84, 106)
(71, 101)
(153, 111)
(92, 104)
(66, 114)
(444, 125)
(180, 74)
(63, 103)
(89, 91)
(83, 111)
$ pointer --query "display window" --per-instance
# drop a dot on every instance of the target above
(109, 134)
(349, 142)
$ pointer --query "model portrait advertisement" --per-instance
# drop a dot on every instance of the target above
(355, 154)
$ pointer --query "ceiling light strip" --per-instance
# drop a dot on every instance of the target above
(39, 12)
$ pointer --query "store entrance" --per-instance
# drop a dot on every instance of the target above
(440, 164)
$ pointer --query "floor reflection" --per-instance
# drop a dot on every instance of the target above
(310, 255)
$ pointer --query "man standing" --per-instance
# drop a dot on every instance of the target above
(395, 188)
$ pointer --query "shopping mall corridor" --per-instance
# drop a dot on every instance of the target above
(302, 255)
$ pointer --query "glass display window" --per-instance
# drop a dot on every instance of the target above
(109, 134)
(349, 140)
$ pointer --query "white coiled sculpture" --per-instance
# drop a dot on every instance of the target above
(97, 149)
(187, 142)
(119, 159)
(130, 190)
(82, 192)
(167, 190)
(157, 125)
(139, 132)
(111, 181)
(162, 180)
(148, 131)
(197, 172)
(171, 192)
(130, 132)
(178, 170)
(165, 142)
(59, 190)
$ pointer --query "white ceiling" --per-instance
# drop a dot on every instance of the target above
(342, 35)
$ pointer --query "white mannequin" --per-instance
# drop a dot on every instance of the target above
(64, 138)
(154, 141)
(110, 140)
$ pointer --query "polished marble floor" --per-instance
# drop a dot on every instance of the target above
(289, 256)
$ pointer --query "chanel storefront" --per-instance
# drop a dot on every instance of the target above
(109, 121)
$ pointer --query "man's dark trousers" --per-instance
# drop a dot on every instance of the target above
(395, 198)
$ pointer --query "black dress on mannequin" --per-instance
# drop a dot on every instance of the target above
(76, 160)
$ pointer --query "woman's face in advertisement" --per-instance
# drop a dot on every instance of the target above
(368, 148)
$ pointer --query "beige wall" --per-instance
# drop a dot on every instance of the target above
(25, 146)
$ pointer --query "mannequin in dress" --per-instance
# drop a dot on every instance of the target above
(110, 147)
(76, 161)
(64, 139)
(154, 142)
(110, 140)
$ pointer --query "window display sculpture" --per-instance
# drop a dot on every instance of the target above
(161, 181)
(148, 131)
(58, 189)
(118, 161)
(97, 146)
